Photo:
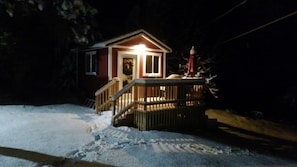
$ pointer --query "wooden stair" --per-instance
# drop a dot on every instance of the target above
(105, 106)
(128, 120)
(103, 95)
(90, 103)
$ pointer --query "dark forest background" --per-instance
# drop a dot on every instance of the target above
(253, 43)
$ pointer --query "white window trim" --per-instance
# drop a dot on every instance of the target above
(159, 64)
(88, 71)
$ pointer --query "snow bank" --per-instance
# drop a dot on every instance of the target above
(51, 129)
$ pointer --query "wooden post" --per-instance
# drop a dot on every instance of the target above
(97, 104)
(145, 97)
(113, 108)
(135, 94)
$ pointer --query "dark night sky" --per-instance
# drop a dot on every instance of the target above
(195, 15)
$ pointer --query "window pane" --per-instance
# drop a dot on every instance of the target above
(94, 63)
(156, 64)
(149, 64)
(97, 63)
(91, 63)
(88, 63)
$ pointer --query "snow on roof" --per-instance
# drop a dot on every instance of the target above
(140, 32)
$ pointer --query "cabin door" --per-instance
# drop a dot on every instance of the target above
(127, 68)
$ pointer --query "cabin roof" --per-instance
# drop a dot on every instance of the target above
(128, 36)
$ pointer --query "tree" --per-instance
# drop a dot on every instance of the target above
(37, 34)
(77, 12)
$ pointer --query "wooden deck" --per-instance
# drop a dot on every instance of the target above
(160, 104)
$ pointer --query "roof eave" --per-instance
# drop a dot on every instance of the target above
(140, 32)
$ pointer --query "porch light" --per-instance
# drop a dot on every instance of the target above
(139, 48)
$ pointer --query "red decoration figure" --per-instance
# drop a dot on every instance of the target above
(191, 64)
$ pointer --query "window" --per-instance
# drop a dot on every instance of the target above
(91, 63)
(152, 65)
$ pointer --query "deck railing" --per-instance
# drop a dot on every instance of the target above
(160, 103)
(104, 94)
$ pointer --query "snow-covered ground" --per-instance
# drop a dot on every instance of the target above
(76, 132)
(51, 129)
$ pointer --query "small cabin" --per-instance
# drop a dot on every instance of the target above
(127, 75)
(134, 55)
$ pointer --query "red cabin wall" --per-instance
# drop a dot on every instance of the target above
(114, 62)
(89, 84)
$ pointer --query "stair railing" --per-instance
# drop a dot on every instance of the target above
(104, 94)
(123, 102)
(148, 95)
